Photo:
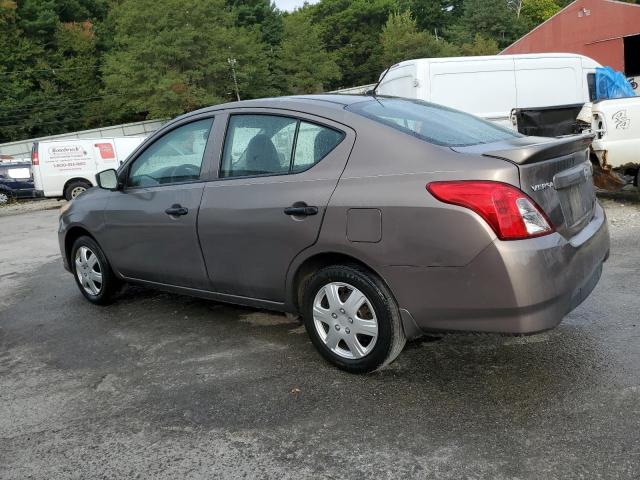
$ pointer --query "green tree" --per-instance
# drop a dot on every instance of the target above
(480, 46)
(351, 29)
(48, 66)
(534, 12)
(306, 65)
(492, 19)
(402, 41)
(178, 61)
(261, 14)
(434, 16)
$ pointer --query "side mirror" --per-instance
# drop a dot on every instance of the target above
(107, 179)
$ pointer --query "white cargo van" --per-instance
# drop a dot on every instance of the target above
(491, 86)
(66, 168)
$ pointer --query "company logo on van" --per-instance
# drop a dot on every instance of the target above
(66, 151)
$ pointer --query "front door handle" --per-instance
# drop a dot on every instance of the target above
(301, 211)
(176, 210)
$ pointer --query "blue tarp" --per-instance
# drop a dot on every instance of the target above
(612, 84)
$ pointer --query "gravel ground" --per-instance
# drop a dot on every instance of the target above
(26, 206)
(166, 386)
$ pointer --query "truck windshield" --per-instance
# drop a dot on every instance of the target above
(432, 123)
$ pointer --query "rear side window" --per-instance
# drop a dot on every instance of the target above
(432, 123)
(274, 145)
(313, 144)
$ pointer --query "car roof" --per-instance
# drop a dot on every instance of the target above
(305, 103)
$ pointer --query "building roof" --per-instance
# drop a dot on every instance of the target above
(621, 8)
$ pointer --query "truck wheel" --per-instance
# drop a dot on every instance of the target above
(4, 198)
(352, 318)
(75, 188)
(92, 272)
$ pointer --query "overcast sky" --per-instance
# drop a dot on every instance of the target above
(289, 5)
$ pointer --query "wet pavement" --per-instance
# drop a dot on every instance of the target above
(166, 386)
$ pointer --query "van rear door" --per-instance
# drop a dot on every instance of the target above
(548, 81)
(35, 167)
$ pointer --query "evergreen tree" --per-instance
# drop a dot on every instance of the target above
(492, 19)
(351, 29)
(305, 64)
(401, 40)
(179, 60)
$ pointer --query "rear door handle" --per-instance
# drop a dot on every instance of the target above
(301, 211)
(176, 210)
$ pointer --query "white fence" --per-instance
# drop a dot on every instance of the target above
(360, 90)
(22, 148)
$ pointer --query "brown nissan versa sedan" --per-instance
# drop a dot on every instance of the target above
(376, 219)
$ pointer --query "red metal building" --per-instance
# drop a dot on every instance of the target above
(606, 30)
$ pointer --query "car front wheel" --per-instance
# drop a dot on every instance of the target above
(92, 271)
(352, 318)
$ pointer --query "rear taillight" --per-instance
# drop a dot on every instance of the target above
(509, 211)
(35, 160)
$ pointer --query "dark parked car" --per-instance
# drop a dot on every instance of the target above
(376, 219)
(16, 181)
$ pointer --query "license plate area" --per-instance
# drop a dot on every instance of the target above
(576, 194)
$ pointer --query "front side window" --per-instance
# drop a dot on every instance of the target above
(432, 123)
(274, 145)
(174, 158)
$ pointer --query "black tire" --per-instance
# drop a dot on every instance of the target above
(390, 334)
(109, 285)
(73, 187)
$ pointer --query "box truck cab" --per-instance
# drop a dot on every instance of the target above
(66, 168)
(491, 86)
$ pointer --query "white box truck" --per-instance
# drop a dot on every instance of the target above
(66, 168)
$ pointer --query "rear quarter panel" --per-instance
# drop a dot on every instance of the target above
(388, 171)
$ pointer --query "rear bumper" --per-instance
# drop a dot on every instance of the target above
(511, 287)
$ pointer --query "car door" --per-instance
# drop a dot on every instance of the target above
(277, 173)
(150, 224)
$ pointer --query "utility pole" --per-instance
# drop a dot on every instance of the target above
(232, 62)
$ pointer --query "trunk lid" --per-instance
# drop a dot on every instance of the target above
(555, 172)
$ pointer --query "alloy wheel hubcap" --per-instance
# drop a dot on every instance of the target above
(88, 271)
(4, 198)
(345, 320)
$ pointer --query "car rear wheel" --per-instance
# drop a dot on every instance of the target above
(4, 198)
(76, 188)
(92, 271)
(352, 318)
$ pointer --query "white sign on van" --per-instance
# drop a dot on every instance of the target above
(68, 157)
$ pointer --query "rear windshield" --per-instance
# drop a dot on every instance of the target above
(432, 123)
